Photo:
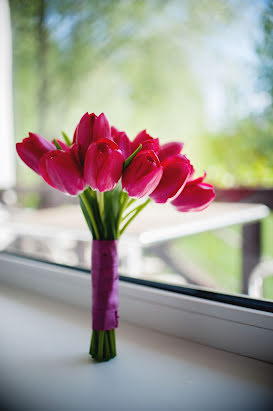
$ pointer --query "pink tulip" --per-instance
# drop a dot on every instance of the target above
(176, 171)
(74, 149)
(103, 165)
(91, 128)
(60, 170)
(142, 175)
(32, 149)
(148, 142)
(196, 196)
(122, 140)
(83, 135)
(169, 149)
(101, 128)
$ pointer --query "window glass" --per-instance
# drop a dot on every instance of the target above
(197, 72)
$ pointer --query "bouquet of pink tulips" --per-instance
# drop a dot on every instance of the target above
(115, 178)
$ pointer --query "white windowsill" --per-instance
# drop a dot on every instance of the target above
(44, 344)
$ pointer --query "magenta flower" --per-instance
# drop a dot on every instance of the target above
(91, 128)
(176, 171)
(60, 170)
(32, 149)
(103, 165)
(148, 142)
(196, 196)
(169, 149)
(101, 128)
(83, 135)
(122, 140)
(142, 175)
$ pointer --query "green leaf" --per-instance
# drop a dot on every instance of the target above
(67, 139)
(92, 200)
(131, 157)
(57, 144)
(86, 216)
(110, 215)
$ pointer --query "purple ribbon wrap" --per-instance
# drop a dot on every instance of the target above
(104, 272)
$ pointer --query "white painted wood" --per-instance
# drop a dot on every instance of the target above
(156, 223)
(45, 365)
(235, 329)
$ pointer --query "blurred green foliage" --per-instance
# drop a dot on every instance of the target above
(154, 64)
(143, 63)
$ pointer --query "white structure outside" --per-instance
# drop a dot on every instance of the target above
(7, 155)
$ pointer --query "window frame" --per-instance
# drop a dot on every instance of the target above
(241, 330)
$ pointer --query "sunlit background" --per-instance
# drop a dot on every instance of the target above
(194, 71)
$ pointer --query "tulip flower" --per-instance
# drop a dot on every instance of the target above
(196, 196)
(32, 149)
(176, 171)
(122, 140)
(90, 129)
(83, 135)
(148, 142)
(103, 165)
(60, 170)
(142, 175)
(169, 149)
(101, 128)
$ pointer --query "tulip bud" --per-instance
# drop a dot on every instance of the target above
(122, 140)
(101, 128)
(103, 165)
(196, 196)
(32, 149)
(60, 170)
(148, 142)
(169, 149)
(176, 171)
(83, 135)
(142, 175)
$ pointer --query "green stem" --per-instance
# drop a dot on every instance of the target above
(100, 345)
(132, 211)
(112, 338)
(103, 345)
(91, 197)
(124, 201)
(131, 202)
(57, 145)
(94, 344)
(138, 209)
(100, 200)
(91, 215)
(67, 140)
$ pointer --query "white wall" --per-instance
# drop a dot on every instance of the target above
(7, 149)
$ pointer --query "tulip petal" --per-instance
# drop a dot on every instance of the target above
(103, 165)
(84, 133)
(142, 175)
(101, 128)
(196, 196)
(60, 171)
(32, 149)
(176, 171)
(169, 149)
(122, 140)
(147, 141)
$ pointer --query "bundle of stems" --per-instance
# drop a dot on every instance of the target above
(108, 215)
